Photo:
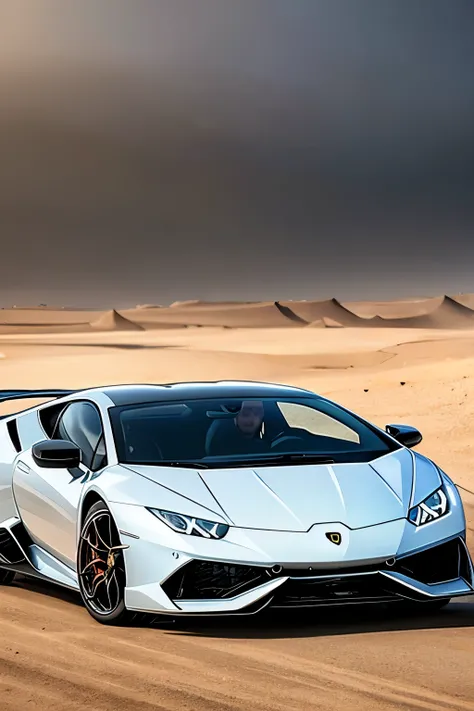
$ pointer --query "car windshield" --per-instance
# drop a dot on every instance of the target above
(235, 432)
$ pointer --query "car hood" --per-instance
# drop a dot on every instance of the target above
(294, 498)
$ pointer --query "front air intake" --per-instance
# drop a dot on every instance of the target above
(201, 579)
(438, 564)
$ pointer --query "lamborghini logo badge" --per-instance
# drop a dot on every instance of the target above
(334, 537)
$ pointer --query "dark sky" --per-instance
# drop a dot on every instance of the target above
(153, 150)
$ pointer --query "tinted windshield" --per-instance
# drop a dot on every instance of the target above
(228, 432)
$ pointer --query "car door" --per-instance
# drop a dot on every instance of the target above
(47, 499)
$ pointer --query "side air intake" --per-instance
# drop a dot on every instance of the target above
(10, 551)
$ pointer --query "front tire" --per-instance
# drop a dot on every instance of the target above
(101, 567)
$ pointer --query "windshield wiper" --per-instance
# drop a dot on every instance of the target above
(293, 458)
(174, 463)
(307, 457)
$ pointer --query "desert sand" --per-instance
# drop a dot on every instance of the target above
(409, 361)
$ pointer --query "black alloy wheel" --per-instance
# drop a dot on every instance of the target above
(101, 567)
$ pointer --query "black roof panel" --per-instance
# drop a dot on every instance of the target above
(166, 392)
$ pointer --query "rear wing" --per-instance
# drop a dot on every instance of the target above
(7, 395)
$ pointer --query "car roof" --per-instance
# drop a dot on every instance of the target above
(143, 393)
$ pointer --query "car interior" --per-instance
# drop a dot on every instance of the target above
(193, 431)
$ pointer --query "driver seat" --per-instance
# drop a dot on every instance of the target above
(223, 438)
(218, 435)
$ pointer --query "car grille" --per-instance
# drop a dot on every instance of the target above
(307, 587)
(335, 591)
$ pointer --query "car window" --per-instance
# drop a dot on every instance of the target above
(222, 431)
(80, 423)
(316, 422)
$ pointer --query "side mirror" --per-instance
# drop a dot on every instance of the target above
(56, 454)
(406, 435)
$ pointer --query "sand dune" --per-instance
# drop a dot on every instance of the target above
(259, 315)
(192, 303)
(45, 320)
(113, 321)
(442, 312)
(332, 310)
(447, 314)
(50, 316)
(406, 308)
(54, 657)
(189, 302)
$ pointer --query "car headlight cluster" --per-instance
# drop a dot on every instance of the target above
(433, 507)
(191, 526)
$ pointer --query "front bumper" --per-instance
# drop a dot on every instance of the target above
(444, 570)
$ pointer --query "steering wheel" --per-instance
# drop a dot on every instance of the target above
(282, 439)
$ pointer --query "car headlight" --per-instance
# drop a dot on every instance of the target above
(191, 526)
(433, 507)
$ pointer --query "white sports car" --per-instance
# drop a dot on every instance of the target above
(221, 498)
